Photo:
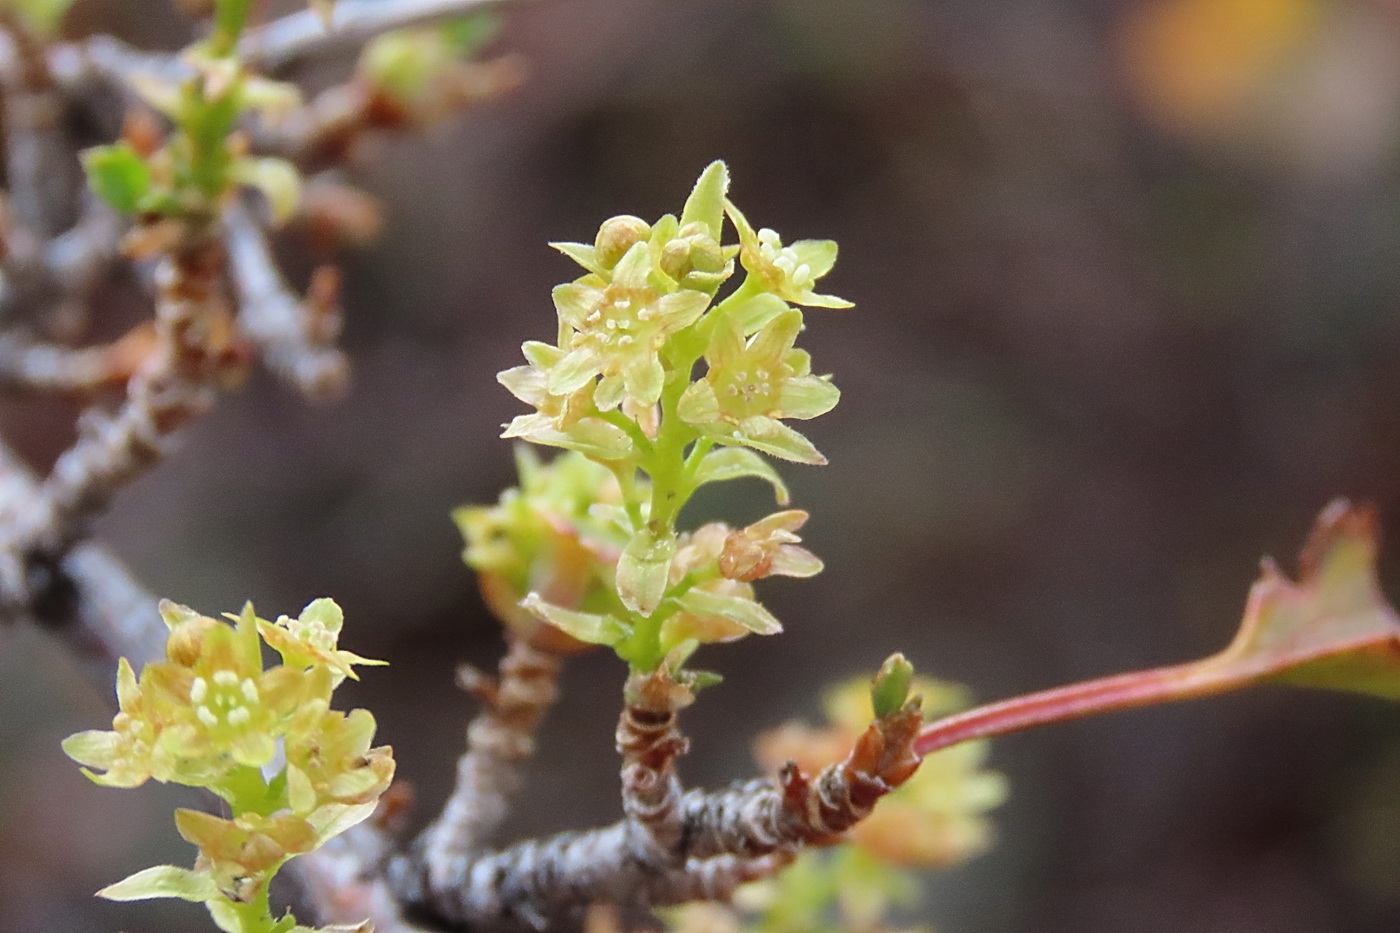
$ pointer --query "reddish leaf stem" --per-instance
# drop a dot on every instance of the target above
(1076, 701)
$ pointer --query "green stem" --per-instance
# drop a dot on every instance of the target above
(230, 16)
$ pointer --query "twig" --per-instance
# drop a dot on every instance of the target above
(752, 827)
(650, 741)
(299, 35)
(296, 338)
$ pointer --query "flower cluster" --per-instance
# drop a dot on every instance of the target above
(620, 387)
(293, 771)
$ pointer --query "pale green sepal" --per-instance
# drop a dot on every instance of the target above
(774, 437)
(805, 397)
(93, 748)
(583, 254)
(738, 609)
(698, 404)
(732, 463)
(300, 794)
(706, 202)
(225, 916)
(818, 255)
(589, 436)
(644, 569)
(326, 612)
(172, 613)
(751, 314)
(335, 818)
(541, 354)
(587, 627)
(163, 881)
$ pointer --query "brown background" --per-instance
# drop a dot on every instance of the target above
(1128, 316)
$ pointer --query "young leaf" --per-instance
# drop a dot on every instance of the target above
(163, 881)
(118, 176)
(734, 462)
(1332, 628)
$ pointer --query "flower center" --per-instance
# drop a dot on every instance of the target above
(785, 259)
(748, 391)
(224, 700)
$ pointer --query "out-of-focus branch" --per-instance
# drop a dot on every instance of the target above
(85, 597)
(41, 165)
(499, 740)
(296, 338)
(303, 34)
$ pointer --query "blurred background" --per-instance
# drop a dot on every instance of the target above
(1128, 315)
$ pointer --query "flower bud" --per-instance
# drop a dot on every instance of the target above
(617, 235)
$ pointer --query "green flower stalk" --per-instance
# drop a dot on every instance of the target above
(293, 771)
(620, 388)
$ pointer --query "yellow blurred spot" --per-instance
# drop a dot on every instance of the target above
(1198, 65)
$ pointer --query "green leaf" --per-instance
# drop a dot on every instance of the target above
(644, 569)
(738, 609)
(118, 176)
(733, 463)
(163, 881)
(588, 627)
(706, 202)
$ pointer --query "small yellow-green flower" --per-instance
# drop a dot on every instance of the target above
(617, 330)
(310, 640)
(242, 853)
(329, 759)
(546, 537)
(790, 272)
(569, 420)
(129, 754)
(754, 382)
(219, 700)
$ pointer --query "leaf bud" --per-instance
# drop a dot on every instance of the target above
(890, 688)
